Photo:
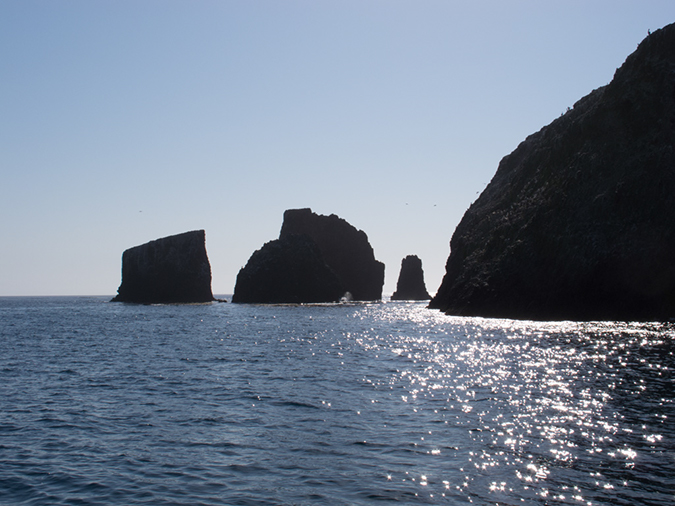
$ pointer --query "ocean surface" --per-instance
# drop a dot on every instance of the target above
(226, 404)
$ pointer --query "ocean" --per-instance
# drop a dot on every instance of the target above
(343, 404)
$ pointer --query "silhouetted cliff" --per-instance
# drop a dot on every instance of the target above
(287, 270)
(168, 270)
(332, 257)
(410, 285)
(577, 222)
(345, 249)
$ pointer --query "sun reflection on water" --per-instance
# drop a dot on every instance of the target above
(535, 398)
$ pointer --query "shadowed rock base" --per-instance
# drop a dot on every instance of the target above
(169, 270)
(288, 270)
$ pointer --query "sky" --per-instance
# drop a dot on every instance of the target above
(125, 121)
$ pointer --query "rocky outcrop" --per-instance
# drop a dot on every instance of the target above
(316, 259)
(345, 250)
(577, 222)
(287, 270)
(410, 285)
(168, 270)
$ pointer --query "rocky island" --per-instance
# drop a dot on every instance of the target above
(288, 270)
(173, 269)
(577, 222)
(410, 285)
(316, 259)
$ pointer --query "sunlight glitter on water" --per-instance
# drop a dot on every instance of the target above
(334, 404)
(536, 403)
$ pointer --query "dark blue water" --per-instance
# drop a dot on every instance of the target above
(115, 404)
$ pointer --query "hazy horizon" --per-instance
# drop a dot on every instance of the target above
(124, 122)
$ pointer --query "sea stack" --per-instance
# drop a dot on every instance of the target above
(577, 222)
(410, 285)
(345, 249)
(173, 269)
(338, 247)
(289, 270)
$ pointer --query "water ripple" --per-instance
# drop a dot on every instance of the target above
(329, 404)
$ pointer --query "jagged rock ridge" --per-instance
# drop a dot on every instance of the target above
(410, 285)
(332, 258)
(169, 270)
(577, 222)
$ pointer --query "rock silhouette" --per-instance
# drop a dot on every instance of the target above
(168, 270)
(344, 250)
(287, 270)
(410, 285)
(577, 222)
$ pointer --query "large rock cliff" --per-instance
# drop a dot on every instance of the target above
(316, 259)
(577, 222)
(168, 270)
(410, 285)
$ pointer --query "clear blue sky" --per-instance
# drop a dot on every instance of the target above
(125, 121)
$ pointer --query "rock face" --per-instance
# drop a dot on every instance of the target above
(316, 259)
(410, 285)
(345, 250)
(287, 270)
(168, 270)
(577, 222)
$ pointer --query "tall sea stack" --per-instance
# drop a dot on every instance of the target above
(169, 270)
(577, 222)
(410, 285)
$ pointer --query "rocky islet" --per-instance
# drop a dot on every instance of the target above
(410, 284)
(172, 269)
(317, 258)
(288, 270)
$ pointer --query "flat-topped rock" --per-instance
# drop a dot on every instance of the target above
(169, 270)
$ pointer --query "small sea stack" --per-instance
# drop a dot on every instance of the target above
(410, 285)
(577, 222)
(331, 252)
(173, 269)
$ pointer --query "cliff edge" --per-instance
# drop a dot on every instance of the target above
(577, 222)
